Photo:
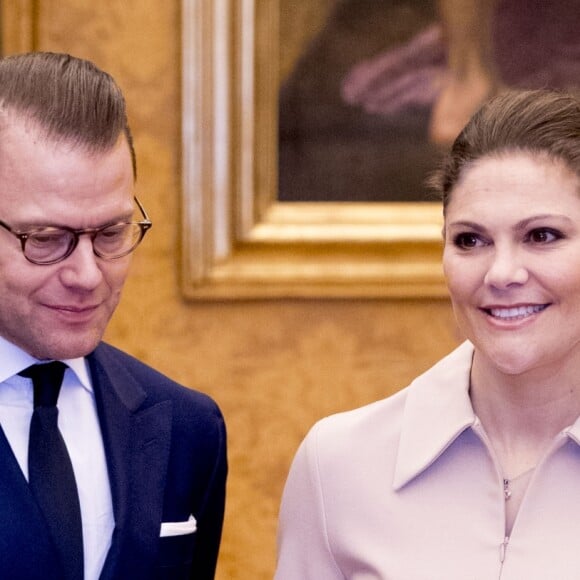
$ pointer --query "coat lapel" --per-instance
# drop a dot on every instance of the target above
(26, 550)
(136, 436)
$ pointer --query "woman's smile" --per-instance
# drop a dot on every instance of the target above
(512, 245)
(510, 313)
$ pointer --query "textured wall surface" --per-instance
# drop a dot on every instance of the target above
(274, 367)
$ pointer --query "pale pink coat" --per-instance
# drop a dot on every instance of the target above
(407, 489)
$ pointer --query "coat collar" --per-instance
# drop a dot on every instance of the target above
(437, 411)
(137, 436)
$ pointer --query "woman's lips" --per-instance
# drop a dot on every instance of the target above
(509, 313)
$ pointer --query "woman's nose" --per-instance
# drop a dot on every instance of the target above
(506, 269)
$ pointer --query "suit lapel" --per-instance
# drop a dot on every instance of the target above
(26, 550)
(136, 437)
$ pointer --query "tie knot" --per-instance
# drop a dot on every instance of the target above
(47, 379)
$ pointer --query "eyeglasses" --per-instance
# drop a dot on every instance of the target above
(48, 245)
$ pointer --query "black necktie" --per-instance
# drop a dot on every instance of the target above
(50, 472)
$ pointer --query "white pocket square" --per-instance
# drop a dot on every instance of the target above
(178, 528)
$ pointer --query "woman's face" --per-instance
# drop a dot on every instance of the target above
(512, 260)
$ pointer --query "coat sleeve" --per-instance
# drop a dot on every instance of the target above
(304, 548)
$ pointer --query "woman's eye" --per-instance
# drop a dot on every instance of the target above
(544, 236)
(467, 240)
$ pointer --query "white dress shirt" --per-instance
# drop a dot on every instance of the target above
(79, 424)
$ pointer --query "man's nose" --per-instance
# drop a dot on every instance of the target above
(82, 268)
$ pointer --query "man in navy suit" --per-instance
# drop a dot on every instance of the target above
(148, 455)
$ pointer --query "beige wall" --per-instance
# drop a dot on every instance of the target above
(274, 367)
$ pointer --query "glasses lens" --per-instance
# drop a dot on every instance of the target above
(48, 245)
(117, 240)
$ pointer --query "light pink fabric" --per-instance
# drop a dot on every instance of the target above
(406, 489)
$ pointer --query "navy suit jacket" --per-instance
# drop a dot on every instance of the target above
(166, 454)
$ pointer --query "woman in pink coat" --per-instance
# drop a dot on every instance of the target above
(473, 471)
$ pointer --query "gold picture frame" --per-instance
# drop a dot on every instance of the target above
(238, 241)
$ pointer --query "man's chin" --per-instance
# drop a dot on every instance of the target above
(62, 350)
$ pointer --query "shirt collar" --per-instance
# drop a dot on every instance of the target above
(14, 359)
(437, 410)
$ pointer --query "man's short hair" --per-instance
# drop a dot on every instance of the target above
(67, 98)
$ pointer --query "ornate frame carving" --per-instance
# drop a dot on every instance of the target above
(238, 241)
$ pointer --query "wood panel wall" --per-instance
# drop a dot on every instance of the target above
(275, 367)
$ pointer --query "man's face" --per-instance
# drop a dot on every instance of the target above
(61, 310)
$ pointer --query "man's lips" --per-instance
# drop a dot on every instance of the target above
(72, 309)
(74, 314)
(514, 312)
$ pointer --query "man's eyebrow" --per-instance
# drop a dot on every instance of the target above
(23, 226)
